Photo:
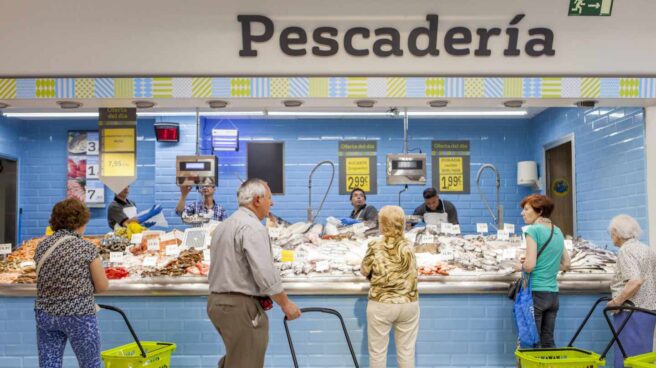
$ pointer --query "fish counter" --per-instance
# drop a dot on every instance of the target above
(314, 259)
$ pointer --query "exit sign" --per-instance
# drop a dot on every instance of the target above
(590, 7)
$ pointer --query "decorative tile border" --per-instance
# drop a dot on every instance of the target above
(327, 87)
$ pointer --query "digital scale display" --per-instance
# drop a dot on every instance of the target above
(195, 166)
(407, 165)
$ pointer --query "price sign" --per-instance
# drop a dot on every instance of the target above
(357, 173)
(94, 192)
(503, 235)
(427, 239)
(455, 229)
(445, 228)
(509, 253)
(136, 238)
(119, 164)
(569, 245)
(288, 256)
(153, 245)
(447, 254)
(322, 266)
(431, 228)
(150, 261)
(206, 255)
(92, 144)
(172, 250)
(510, 228)
(452, 177)
(5, 248)
(116, 257)
(481, 228)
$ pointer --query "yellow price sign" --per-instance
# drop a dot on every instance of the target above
(358, 173)
(118, 164)
(288, 256)
(118, 140)
(451, 174)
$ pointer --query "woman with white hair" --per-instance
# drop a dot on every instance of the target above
(391, 267)
(634, 280)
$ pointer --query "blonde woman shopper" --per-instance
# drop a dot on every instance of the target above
(391, 267)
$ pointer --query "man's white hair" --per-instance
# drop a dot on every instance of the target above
(625, 226)
(250, 189)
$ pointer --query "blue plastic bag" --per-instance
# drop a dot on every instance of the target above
(524, 315)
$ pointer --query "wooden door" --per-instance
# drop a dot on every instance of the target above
(560, 186)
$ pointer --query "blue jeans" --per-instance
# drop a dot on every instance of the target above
(637, 336)
(52, 332)
(545, 305)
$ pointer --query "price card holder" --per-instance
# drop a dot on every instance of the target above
(288, 256)
(455, 229)
(116, 257)
(431, 228)
(445, 228)
(136, 238)
(150, 261)
(206, 256)
(167, 236)
(153, 245)
(274, 232)
(428, 239)
(5, 249)
(172, 250)
(481, 228)
(322, 266)
(503, 235)
(447, 255)
(509, 228)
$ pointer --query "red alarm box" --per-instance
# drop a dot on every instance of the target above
(167, 132)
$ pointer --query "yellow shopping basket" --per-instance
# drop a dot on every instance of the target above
(146, 354)
(647, 360)
(569, 356)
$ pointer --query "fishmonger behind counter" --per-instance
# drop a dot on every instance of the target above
(361, 210)
(122, 211)
(440, 210)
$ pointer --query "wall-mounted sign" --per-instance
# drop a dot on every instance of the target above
(118, 147)
(357, 166)
(590, 7)
(82, 169)
(451, 166)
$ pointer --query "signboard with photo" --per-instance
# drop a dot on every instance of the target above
(82, 169)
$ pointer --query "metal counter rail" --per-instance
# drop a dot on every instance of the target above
(336, 285)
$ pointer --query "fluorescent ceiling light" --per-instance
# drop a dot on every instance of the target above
(233, 113)
(151, 113)
(51, 114)
(468, 113)
(326, 113)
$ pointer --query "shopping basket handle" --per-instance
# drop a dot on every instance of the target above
(125, 318)
(616, 333)
(321, 310)
(585, 320)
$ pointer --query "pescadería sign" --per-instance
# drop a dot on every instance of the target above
(425, 40)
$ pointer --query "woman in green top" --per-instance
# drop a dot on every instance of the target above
(536, 210)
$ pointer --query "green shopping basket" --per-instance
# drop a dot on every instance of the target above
(647, 360)
(146, 354)
(566, 357)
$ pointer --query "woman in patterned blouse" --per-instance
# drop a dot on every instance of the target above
(391, 267)
(69, 271)
(634, 280)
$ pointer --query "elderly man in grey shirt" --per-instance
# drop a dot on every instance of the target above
(241, 275)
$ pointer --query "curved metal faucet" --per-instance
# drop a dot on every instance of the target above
(499, 217)
(312, 216)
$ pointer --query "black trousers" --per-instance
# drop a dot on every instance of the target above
(545, 305)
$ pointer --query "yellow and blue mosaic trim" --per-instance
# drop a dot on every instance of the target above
(326, 87)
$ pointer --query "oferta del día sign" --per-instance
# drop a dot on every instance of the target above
(425, 40)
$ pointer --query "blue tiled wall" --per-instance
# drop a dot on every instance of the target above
(43, 156)
(610, 163)
(455, 331)
(9, 145)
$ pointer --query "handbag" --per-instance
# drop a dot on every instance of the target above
(515, 285)
(523, 312)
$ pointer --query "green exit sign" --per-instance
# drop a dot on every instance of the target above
(590, 7)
